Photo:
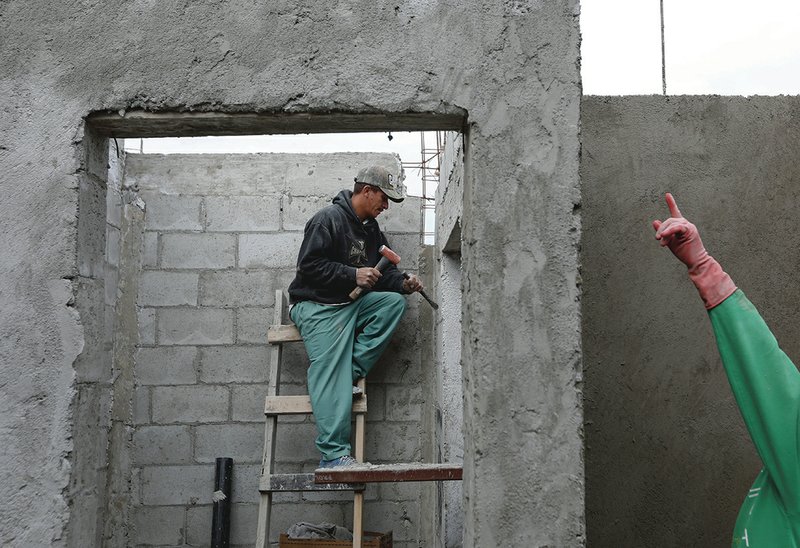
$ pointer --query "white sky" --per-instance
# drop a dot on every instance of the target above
(712, 47)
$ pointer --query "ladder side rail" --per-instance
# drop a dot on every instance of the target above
(270, 429)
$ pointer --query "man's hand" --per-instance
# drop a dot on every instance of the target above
(367, 276)
(683, 239)
(412, 284)
(680, 236)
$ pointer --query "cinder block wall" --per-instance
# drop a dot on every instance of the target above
(668, 459)
(221, 234)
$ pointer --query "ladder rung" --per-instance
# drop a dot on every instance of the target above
(301, 405)
(302, 482)
(376, 473)
(277, 334)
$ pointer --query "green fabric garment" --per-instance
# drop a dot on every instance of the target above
(343, 343)
(766, 385)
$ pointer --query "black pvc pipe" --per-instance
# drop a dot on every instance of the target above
(221, 518)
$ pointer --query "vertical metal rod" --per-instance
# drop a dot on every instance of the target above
(663, 54)
(221, 518)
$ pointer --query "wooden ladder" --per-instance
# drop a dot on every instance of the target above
(348, 478)
(275, 405)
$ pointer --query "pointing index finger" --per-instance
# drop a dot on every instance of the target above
(673, 207)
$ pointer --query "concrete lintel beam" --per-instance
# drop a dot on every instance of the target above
(186, 124)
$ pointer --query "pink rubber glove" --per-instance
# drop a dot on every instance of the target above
(684, 241)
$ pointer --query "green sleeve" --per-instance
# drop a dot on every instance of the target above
(766, 385)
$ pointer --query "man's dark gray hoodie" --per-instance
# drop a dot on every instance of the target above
(335, 244)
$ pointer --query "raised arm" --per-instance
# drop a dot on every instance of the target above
(765, 383)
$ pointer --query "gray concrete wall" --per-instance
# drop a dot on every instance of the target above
(668, 460)
(220, 235)
(508, 69)
(449, 389)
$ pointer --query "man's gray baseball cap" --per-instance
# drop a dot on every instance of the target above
(384, 179)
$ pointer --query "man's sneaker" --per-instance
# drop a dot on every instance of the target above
(357, 392)
(346, 460)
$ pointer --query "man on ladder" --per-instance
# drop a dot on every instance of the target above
(345, 337)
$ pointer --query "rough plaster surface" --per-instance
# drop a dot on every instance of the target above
(450, 392)
(668, 459)
(509, 67)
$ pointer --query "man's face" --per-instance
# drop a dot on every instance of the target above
(377, 201)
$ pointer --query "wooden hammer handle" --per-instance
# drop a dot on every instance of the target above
(356, 293)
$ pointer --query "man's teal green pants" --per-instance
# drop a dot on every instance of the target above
(343, 343)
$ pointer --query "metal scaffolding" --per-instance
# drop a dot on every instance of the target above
(429, 166)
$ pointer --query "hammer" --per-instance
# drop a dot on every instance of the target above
(388, 256)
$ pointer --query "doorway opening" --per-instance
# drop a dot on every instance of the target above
(193, 248)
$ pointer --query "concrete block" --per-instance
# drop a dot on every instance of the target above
(269, 250)
(162, 445)
(141, 405)
(150, 249)
(404, 217)
(248, 403)
(195, 326)
(401, 359)
(296, 443)
(401, 518)
(393, 442)
(94, 363)
(252, 324)
(110, 313)
(327, 174)
(173, 485)
(399, 491)
(189, 404)
(208, 174)
(158, 288)
(111, 276)
(198, 524)
(166, 365)
(297, 210)
(242, 442)
(112, 245)
(198, 250)
(244, 524)
(341, 497)
(295, 363)
(403, 402)
(90, 436)
(147, 325)
(161, 525)
(408, 247)
(165, 212)
(237, 288)
(136, 486)
(242, 213)
(91, 223)
(233, 364)
(96, 159)
(376, 401)
(113, 207)
(245, 483)
(292, 389)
